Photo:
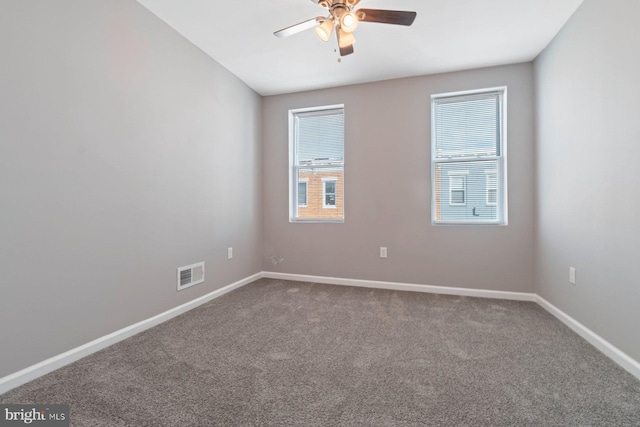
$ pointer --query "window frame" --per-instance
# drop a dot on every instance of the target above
(500, 157)
(294, 168)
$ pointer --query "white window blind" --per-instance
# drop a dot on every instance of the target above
(317, 159)
(320, 136)
(468, 158)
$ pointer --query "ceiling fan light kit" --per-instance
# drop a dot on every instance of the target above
(345, 39)
(323, 31)
(349, 22)
(345, 20)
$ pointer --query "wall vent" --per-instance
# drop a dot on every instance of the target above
(190, 275)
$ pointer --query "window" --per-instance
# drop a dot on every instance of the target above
(492, 188)
(302, 193)
(316, 152)
(468, 160)
(457, 189)
(329, 193)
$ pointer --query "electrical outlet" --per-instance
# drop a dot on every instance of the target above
(229, 253)
(572, 275)
(383, 252)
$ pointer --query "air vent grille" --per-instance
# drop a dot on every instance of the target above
(185, 277)
(190, 275)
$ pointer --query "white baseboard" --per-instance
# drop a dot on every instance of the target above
(478, 293)
(621, 358)
(32, 372)
(28, 374)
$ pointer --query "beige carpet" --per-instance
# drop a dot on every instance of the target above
(297, 354)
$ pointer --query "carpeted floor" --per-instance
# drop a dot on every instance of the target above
(282, 353)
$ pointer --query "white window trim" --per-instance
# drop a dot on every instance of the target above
(324, 192)
(453, 175)
(293, 178)
(503, 214)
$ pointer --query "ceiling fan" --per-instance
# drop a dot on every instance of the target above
(345, 19)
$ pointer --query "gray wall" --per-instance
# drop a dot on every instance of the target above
(388, 185)
(588, 145)
(119, 151)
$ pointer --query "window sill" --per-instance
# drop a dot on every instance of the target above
(467, 223)
(316, 221)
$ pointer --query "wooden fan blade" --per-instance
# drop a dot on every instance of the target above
(344, 51)
(396, 17)
(285, 32)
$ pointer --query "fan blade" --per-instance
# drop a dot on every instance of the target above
(286, 32)
(396, 17)
(344, 51)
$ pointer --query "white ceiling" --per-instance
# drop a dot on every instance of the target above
(447, 35)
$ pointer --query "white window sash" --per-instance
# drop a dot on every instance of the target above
(439, 158)
(296, 168)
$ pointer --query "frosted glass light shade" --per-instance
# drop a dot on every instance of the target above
(349, 22)
(346, 39)
(323, 31)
